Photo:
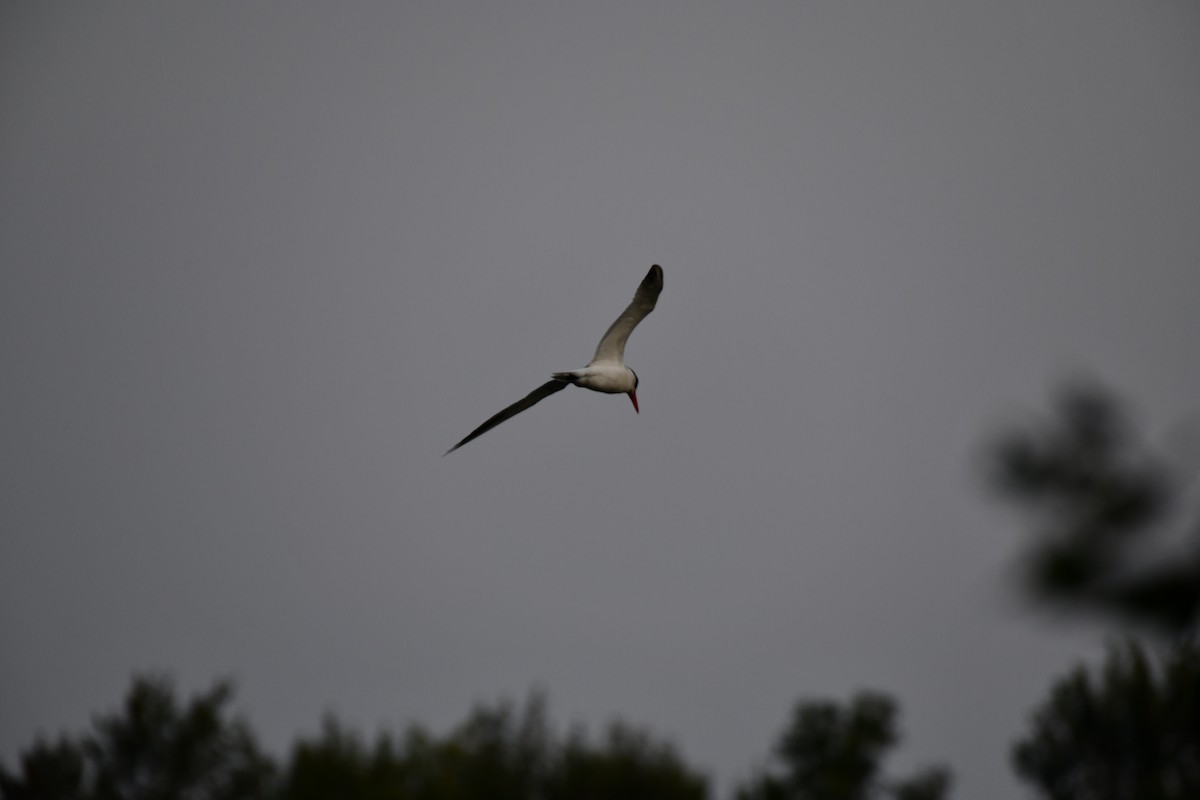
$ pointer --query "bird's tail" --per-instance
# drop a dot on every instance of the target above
(569, 377)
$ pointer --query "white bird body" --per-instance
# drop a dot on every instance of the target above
(606, 376)
(606, 372)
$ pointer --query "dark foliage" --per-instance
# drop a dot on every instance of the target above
(1106, 506)
(47, 771)
(834, 752)
(1102, 500)
(1131, 732)
(497, 753)
(154, 748)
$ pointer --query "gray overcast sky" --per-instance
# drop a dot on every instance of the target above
(263, 263)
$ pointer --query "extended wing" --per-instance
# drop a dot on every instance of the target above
(534, 397)
(612, 346)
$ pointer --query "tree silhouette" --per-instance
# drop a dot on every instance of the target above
(497, 753)
(833, 752)
(339, 764)
(627, 764)
(1102, 500)
(155, 748)
(152, 749)
(47, 772)
(1130, 733)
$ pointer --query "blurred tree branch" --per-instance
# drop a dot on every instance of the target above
(1101, 499)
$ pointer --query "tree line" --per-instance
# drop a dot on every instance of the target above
(157, 746)
(1116, 536)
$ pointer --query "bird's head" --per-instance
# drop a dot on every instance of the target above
(633, 392)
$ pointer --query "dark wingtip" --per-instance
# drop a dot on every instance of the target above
(654, 277)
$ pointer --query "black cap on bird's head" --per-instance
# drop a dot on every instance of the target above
(633, 391)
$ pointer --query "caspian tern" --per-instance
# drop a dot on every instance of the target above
(606, 372)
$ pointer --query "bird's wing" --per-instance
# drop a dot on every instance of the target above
(612, 345)
(534, 397)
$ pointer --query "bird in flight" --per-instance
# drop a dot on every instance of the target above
(606, 372)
